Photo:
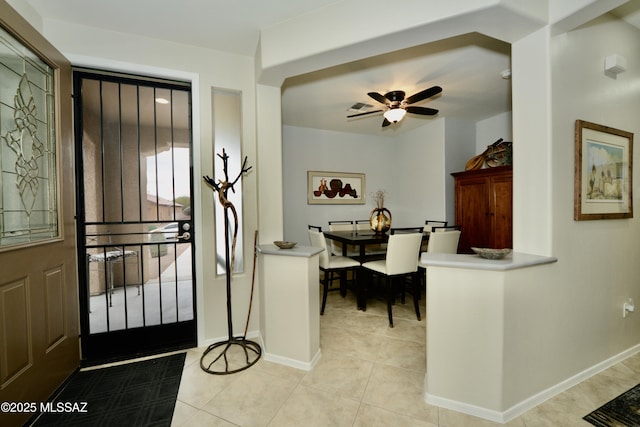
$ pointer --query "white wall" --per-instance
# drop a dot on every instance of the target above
(318, 150)
(460, 136)
(598, 268)
(490, 130)
(410, 167)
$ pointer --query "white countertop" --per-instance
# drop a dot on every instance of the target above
(299, 251)
(512, 261)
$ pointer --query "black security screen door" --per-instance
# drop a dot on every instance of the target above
(135, 225)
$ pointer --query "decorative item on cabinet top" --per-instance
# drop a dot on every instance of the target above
(497, 154)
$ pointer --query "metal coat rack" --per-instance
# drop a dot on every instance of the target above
(236, 353)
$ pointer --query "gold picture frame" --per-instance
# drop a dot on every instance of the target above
(603, 172)
(335, 188)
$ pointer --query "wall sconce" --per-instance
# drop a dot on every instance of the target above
(614, 65)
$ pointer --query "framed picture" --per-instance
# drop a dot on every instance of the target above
(603, 172)
(335, 188)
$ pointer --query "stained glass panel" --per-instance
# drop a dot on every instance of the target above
(28, 187)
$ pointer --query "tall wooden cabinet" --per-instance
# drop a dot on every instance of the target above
(483, 207)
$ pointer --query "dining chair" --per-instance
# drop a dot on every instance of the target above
(428, 227)
(429, 224)
(444, 240)
(400, 263)
(330, 265)
(336, 247)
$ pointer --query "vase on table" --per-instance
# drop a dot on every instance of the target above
(380, 220)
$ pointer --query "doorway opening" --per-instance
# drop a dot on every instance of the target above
(134, 187)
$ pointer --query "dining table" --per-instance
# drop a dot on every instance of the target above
(360, 239)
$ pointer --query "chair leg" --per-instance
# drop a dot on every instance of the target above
(390, 298)
(325, 290)
(417, 284)
(343, 283)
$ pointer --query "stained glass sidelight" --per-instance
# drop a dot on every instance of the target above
(28, 188)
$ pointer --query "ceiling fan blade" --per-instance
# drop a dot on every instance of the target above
(385, 122)
(380, 98)
(363, 114)
(422, 110)
(427, 93)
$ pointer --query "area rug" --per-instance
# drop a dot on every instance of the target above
(134, 394)
(622, 411)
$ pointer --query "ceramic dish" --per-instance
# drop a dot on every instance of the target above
(284, 245)
(491, 253)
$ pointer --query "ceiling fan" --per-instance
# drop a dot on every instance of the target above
(398, 106)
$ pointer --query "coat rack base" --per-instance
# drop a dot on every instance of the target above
(230, 356)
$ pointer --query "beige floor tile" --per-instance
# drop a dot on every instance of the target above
(371, 416)
(197, 387)
(341, 375)
(350, 342)
(182, 413)
(550, 414)
(399, 390)
(633, 363)
(403, 354)
(408, 329)
(204, 419)
(601, 388)
(252, 399)
(311, 407)
(278, 370)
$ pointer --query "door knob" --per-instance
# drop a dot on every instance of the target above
(184, 236)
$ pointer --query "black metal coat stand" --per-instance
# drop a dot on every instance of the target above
(236, 353)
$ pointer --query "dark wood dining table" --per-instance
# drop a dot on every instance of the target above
(358, 238)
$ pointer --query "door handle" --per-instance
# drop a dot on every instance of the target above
(184, 236)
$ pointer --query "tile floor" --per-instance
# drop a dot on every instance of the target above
(369, 375)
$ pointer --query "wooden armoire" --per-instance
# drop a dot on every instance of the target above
(483, 207)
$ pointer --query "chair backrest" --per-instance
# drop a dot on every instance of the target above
(363, 224)
(402, 253)
(444, 241)
(315, 227)
(405, 230)
(317, 239)
(336, 247)
(429, 224)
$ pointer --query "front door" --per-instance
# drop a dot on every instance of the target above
(135, 225)
(38, 281)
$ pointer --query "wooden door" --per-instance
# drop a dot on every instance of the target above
(501, 208)
(472, 212)
(38, 281)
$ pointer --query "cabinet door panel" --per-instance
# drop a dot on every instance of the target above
(472, 213)
(501, 212)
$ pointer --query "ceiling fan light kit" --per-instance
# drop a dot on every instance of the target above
(397, 105)
(394, 115)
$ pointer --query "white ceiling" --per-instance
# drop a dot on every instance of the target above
(468, 67)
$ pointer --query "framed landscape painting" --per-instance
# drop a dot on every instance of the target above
(603, 172)
(335, 188)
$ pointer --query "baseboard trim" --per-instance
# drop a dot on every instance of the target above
(531, 402)
(293, 363)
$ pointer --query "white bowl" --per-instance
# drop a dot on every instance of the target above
(489, 253)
